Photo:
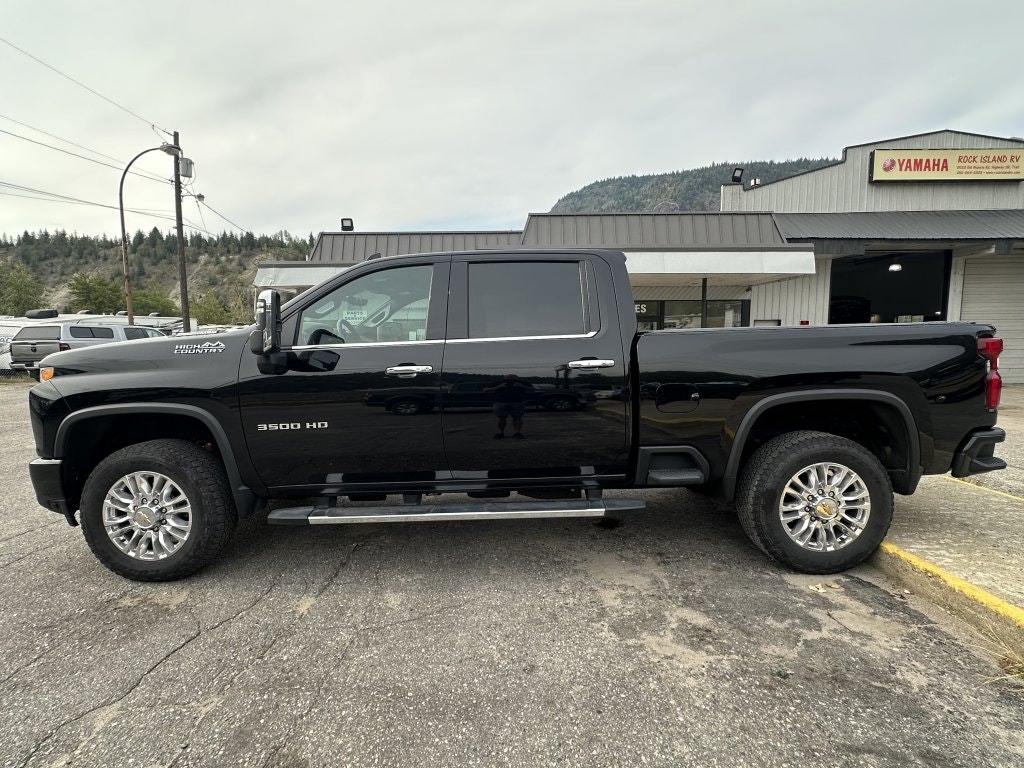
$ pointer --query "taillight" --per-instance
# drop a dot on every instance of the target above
(990, 348)
(63, 347)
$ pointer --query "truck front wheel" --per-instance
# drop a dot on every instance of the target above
(157, 511)
(816, 502)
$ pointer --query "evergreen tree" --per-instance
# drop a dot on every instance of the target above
(149, 300)
(96, 294)
(19, 292)
(209, 310)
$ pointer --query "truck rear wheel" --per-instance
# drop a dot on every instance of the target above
(157, 511)
(407, 407)
(816, 502)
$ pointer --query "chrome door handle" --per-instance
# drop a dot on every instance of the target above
(408, 371)
(591, 364)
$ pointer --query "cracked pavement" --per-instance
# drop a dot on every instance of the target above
(668, 640)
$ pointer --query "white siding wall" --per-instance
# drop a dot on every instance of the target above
(801, 298)
(993, 292)
(845, 188)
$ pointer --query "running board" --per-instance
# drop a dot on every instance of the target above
(405, 513)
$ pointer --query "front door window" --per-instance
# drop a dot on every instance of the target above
(386, 306)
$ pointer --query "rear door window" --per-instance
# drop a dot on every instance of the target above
(518, 299)
(39, 333)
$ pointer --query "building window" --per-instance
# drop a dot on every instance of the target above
(889, 288)
(721, 313)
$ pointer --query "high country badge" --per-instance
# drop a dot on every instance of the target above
(207, 348)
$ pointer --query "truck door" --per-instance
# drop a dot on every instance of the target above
(532, 334)
(358, 403)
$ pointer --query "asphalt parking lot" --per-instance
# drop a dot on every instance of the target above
(668, 640)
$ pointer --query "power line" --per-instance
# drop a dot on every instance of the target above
(75, 144)
(85, 202)
(229, 221)
(201, 217)
(58, 138)
(51, 194)
(54, 197)
(83, 85)
(83, 157)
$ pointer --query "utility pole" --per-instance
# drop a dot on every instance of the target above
(170, 149)
(186, 324)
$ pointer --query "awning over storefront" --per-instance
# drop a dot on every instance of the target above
(674, 249)
(904, 225)
(720, 267)
(297, 275)
(656, 267)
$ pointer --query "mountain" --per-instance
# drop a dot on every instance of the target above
(220, 269)
(697, 189)
(54, 265)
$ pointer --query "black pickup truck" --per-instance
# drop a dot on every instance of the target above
(408, 401)
(163, 444)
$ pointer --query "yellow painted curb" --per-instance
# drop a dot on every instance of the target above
(982, 488)
(965, 588)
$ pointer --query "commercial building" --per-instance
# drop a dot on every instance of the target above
(917, 228)
(913, 229)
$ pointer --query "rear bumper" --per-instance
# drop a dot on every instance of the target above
(49, 487)
(977, 453)
(30, 368)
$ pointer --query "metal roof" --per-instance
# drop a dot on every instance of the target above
(357, 246)
(936, 133)
(904, 225)
(627, 231)
(940, 137)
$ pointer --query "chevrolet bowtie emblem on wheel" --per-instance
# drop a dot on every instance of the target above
(207, 348)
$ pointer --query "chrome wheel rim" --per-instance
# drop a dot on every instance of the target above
(406, 408)
(147, 516)
(825, 507)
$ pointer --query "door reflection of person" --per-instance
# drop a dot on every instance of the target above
(510, 396)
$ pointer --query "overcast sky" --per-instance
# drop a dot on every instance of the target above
(468, 115)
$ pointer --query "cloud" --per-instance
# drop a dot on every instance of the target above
(469, 114)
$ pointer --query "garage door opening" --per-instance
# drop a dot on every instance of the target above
(890, 288)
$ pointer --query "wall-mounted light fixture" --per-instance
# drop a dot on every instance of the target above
(347, 225)
(737, 175)
(895, 267)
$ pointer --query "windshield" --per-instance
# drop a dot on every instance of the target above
(39, 333)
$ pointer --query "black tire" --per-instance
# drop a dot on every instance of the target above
(407, 407)
(200, 477)
(775, 465)
(558, 404)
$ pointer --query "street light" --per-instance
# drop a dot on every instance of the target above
(170, 149)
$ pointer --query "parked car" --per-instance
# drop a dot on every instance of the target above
(34, 342)
(159, 448)
(602, 391)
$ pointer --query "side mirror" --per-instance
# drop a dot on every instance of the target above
(268, 321)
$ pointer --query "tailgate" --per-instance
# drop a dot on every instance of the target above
(31, 352)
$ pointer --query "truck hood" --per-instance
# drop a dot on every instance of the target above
(200, 351)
